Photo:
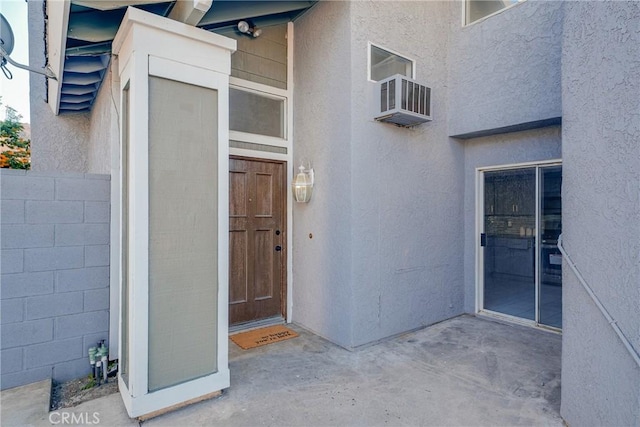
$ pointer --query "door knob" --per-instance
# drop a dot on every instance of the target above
(278, 248)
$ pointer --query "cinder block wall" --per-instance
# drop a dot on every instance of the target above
(55, 273)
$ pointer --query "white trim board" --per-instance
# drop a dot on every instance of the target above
(149, 45)
(287, 143)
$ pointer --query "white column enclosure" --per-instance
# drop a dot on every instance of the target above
(173, 220)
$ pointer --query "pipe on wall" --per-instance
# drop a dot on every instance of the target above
(614, 324)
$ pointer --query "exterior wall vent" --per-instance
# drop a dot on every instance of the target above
(402, 101)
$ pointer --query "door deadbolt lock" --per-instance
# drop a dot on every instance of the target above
(277, 232)
(278, 248)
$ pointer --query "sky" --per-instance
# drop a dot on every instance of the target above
(15, 92)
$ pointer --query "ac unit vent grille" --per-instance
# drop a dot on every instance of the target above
(388, 96)
(384, 96)
(414, 100)
(415, 97)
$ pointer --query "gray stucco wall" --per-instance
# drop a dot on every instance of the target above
(386, 253)
(406, 184)
(322, 264)
(511, 148)
(601, 210)
(58, 143)
(55, 273)
(505, 70)
(103, 126)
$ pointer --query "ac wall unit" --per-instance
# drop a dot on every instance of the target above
(402, 101)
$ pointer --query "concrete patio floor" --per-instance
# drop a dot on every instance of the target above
(464, 371)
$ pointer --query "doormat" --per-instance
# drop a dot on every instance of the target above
(262, 336)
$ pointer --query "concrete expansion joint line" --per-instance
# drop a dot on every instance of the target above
(614, 323)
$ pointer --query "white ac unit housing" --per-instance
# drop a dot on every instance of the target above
(402, 101)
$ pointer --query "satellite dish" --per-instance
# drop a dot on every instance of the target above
(6, 36)
(7, 42)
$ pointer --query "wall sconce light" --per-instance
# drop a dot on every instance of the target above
(303, 184)
(245, 28)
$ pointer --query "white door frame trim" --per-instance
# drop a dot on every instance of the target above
(287, 157)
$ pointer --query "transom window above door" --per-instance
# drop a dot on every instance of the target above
(256, 113)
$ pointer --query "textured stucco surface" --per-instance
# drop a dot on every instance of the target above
(406, 184)
(386, 253)
(103, 130)
(505, 70)
(600, 381)
(58, 143)
(601, 210)
(529, 146)
(322, 264)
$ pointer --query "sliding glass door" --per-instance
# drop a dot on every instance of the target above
(520, 262)
(550, 265)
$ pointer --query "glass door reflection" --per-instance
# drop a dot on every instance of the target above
(550, 266)
(509, 242)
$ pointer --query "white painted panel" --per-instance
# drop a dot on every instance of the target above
(182, 232)
(155, 48)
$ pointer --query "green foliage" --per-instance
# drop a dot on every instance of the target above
(91, 382)
(16, 151)
(11, 126)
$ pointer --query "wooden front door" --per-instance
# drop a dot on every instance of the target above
(257, 239)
